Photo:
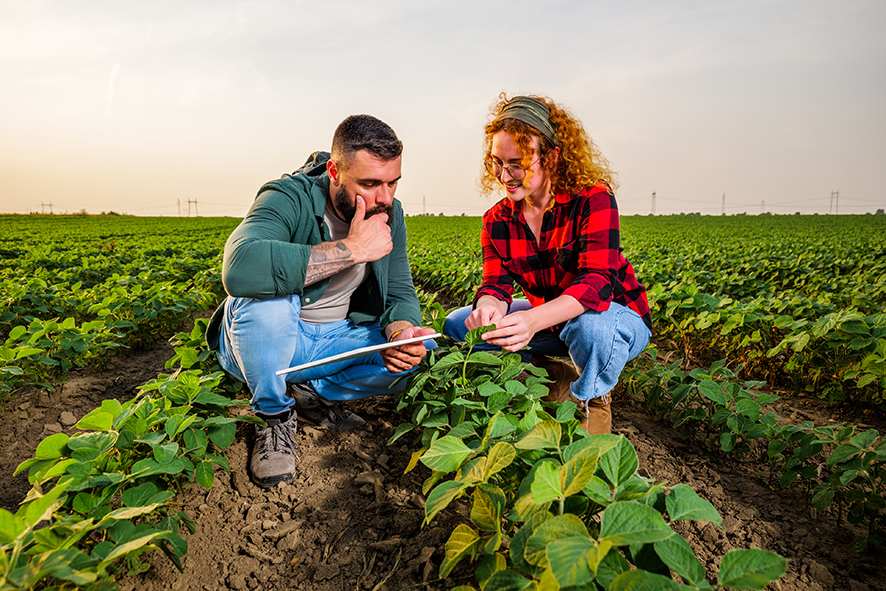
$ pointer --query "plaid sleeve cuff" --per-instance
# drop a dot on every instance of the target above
(588, 297)
(495, 292)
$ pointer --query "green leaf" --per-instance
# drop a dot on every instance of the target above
(619, 463)
(96, 440)
(489, 504)
(679, 556)
(507, 580)
(641, 580)
(612, 565)
(446, 454)
(138, 496)
(751, 569)
(84, 503)
(556, 528)
(165, 453)
(545, 435)
(578, 471)
(546, 484)
(52, 447)
(204, 474)
(10, 526)
(130, 512)
(97, 420)
(574, 561)
(485, 358)
(130, 546)
(402, 429)
(518, 542)
(500, 457)
(602, 443)
(629, 522)
(454, 358)
(713, 391)
(843, 453)
(42, 507)
(598, 491)
(463, 541)
(222, 435)
(684, 504)
(487, 567)
(441, 496)
(178, 423)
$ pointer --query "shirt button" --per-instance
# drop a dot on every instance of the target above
(307, 300)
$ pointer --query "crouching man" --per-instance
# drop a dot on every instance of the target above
(318, 267)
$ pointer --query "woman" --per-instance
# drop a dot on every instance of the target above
(556, 235)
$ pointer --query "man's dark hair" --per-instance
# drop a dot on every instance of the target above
(364, 132)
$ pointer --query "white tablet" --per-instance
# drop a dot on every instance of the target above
(358, 353)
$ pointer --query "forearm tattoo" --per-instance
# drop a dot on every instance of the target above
(327, 259)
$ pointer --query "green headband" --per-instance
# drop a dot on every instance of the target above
(532, 112)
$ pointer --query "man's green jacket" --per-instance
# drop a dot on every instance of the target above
(266, 256)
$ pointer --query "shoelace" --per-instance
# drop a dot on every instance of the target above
(338, 414)
(278, 437)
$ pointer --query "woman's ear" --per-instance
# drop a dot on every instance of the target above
(552, 157)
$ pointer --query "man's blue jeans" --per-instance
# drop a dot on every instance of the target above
(600, 344)
(260, 337)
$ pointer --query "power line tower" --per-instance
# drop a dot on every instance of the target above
(762, 205)
(179, 203)
(723, 207)
(835, 202)
(653, 203)
(194, 201)
(43, 207)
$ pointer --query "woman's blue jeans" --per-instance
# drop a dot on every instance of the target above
(260, 337)
(600, 344)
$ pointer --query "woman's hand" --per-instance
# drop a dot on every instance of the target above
(512, 332)
(487, 311)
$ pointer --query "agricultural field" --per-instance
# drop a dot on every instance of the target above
(747, 434)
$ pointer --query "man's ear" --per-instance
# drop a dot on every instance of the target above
(332, 171)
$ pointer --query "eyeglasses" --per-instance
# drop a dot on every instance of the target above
(515, 171)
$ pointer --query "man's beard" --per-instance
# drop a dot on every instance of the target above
(347, 208)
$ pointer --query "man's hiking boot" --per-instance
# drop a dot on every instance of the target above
(274, 453)
(313, 408)
(597, 411)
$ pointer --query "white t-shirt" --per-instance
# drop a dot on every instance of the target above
(336, 302)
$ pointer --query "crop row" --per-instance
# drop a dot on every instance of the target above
(794, 300)
(73, 289)
(835, 465)
(550, 504)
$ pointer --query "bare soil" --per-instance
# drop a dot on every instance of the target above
(352, 518)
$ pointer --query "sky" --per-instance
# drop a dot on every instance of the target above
(187, 108)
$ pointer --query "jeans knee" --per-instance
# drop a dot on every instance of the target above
(454, 325)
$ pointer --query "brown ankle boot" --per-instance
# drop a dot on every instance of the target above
(562, 372)
(599, 415)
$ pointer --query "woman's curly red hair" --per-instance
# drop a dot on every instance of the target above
(581, 164)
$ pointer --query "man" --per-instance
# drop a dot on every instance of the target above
(318, 267)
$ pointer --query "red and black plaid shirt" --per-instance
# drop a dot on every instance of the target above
(579, 255)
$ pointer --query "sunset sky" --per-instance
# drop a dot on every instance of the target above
(141, 107)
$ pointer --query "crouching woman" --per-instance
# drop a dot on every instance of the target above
(556, 235)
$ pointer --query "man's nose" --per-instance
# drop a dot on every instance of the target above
(385, 195)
